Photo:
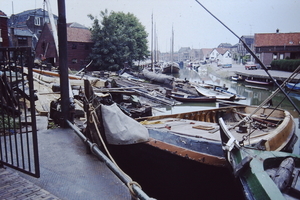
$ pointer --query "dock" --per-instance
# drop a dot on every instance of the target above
(67, 172)
(237, 69)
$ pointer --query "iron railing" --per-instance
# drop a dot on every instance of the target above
(18, 132)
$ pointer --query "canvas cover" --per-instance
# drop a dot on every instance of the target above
(121, 129)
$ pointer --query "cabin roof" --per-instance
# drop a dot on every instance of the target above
(277, 39)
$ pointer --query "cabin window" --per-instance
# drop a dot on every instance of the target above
(74, 60)
(74, 46)
(37, 21)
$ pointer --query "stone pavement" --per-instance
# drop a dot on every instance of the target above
(67, 172)
(12, 186)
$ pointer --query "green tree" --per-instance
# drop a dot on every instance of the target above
(118, 39)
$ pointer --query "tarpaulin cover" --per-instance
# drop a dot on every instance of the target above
(121, 129)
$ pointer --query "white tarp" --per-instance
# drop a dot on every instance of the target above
(121, 129)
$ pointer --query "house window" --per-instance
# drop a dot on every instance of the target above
(22, 41)
(74, 61)
(274, 56)
(74, 46)
(37, 21)
(281, 56)
(87, 47)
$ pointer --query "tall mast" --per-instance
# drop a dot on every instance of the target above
(152, 68)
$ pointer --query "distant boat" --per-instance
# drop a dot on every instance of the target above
(259, 81)
(210, 91)
(237, 78)
(170, 68)
(293, 86)
(192, 98)
(262, 174)
(237, 96)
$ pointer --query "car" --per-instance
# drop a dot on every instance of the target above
(250, 66)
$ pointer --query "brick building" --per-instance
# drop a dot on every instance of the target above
(274, 46)
(4, 41)
(79, 44)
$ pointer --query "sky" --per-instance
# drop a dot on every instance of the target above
(193, 26)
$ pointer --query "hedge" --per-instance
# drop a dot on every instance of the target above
(285, 65)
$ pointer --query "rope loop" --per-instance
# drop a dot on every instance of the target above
(130, 187)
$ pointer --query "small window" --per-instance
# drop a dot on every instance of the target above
(74, 46)
(74, 61)
(87, 47)
(37, 21)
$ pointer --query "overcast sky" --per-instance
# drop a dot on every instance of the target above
(193, 26)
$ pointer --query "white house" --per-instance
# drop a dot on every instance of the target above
(221, 56)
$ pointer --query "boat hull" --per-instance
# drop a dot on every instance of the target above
(212, 92)
(258, 82)
(206, 143)
(165, 175)
(293, 86)
(262, 174)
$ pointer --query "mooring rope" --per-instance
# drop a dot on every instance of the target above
(94, 119)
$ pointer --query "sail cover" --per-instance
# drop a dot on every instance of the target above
(121, 129)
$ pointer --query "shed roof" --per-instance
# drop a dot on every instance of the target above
(277, 39)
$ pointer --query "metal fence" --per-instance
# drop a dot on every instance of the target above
(18, 132)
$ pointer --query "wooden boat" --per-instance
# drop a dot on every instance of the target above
(170, 68)
(195, 135)
(293, 86)
(192, 98)
(210, 91)
(258, 81)
(262, 174)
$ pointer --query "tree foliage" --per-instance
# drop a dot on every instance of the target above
(118, 39)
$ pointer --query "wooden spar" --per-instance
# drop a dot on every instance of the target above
(255, 57)
(51, 73)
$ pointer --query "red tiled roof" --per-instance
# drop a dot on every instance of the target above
(222, 50)
(277, 39)
(206, 51)
(78, 35)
